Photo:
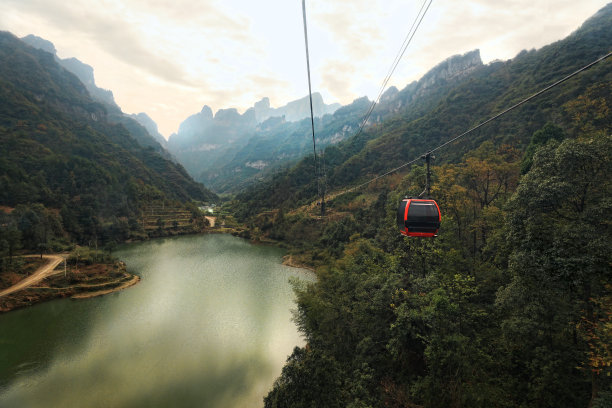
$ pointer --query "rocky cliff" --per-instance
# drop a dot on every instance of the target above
(84, 72)
(455, 67)
(142, 128)
(295, 110)
(149, 124)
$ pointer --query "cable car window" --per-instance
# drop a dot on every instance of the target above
(422, 211)
(401, 210)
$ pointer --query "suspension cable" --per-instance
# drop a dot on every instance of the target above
(538, 93)
(396, 61)
(314, 146)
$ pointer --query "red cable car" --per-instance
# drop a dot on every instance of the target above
(418, 217)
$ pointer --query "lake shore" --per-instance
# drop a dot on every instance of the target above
(83, 282)
(290, 260)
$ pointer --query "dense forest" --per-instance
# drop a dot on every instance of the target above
(70, 171)
(511, 305)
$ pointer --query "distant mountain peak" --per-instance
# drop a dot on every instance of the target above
(294, 111)
(207, 111)
(454, 67)
(264, 103)
(389, 93)
(40, 43)
(149, 124)
(227, 114)
(84, 72)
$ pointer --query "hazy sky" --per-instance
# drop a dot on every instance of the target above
(168, 58)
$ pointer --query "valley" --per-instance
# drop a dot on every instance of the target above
(509, 305)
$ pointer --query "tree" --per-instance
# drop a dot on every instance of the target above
(12, 236)
(472, 195)
(540, 138)
(560, 235)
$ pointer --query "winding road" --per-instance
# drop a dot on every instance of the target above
(40, 274)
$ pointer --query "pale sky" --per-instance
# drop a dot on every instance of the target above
(169, 58)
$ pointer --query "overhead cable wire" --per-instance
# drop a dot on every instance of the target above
(394, 64)
(321, 180)
(511, 108)
(396, 61)
(403, 47)
(413, 29)
(314, 146)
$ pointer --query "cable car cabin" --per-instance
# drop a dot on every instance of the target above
(418, 217)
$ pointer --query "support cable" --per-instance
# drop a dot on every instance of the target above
(396, 61)
(540, 92)
(314, 145)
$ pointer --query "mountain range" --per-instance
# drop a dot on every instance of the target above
(76, 154)
(451, 98)
(229, 151)
(219, 149)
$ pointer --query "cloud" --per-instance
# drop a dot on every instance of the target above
(502, 28)
(356, 32)
(104, 29)
(204, 16)
(188, 10)
(266, 81)
(339, 78)
(230, 53)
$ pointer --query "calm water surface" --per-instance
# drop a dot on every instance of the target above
(209, 325)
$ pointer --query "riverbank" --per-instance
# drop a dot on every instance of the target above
(80, 282)
(290, 260)
(294, 260)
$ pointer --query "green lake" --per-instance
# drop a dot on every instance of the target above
(209, 325)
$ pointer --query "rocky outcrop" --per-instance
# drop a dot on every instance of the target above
(455, 67)
(39, 43)
(451, 70)
(262, 109)
(227, 116)
(294, 111)
(84, 72)
(149, 124)
(194, 124)
(389, 94)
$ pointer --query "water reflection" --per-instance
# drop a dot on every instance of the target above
(208, 326)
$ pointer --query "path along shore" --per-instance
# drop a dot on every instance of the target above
(48, 283)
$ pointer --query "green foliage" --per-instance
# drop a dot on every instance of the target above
(506, 308)
(510, 306)
(540, 138)
(62, 150)
(89, 256)
(560, 236)
(579, 105)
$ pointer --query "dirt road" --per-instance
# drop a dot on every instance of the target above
(40, 274)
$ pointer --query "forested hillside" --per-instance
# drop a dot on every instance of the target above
(230, 155)
(140, 126)
(454, 108)
(511, 305)
(66, 167)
